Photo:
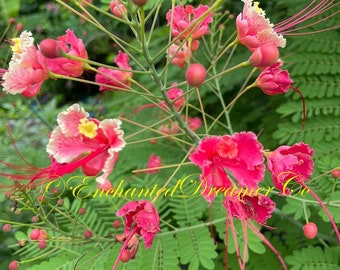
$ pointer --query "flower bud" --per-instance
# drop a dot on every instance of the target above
(273, 80)
(7, 228)
(14, 265)
(50, 48)
(87, 234)
(195, 74)
(264, 56)
(42, 244)
(19, 27)
(117, 8)
(335, 173)
(35, 234)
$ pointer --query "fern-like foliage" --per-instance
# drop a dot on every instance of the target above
(196, 247)
(314, 67)
(314, 258)
(316, 74)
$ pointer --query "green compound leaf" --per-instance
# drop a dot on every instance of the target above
(333, 206)
(187, 210)
(195, 247)
(254, 242)
(314, 258)
(62, 261)
(296, 208)
(162, 255)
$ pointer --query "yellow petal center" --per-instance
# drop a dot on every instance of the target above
(16, 47)
(87, 128)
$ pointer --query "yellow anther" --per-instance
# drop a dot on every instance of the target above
(87, 128)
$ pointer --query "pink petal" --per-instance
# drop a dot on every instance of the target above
(69, 120)
(66, 149)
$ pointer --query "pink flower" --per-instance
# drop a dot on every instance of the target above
(13, 265)
(140, 219)
(153, 162)
(73, 46)
(114, 79)
(194, 123)
(38, 234)
(239, 154)
(169, 129)
(257, 208)
(295, 164)
(86, 142)
(248, 207)
(254, 30)
(273, 80)
(27, 69)
(181, 56)
(182, 21)
(288, 163)
(176, 95)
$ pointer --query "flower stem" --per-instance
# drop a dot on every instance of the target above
(226, 108)
(158, 81)
(323, 206)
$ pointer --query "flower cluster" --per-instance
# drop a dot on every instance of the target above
(237, 161)
(66, 56)
(187, 24)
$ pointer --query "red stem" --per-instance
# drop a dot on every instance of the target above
(303, 105)
(266, 241)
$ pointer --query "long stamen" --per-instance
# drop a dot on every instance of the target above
(286, 27)
(31, 167)
(56, 170)
(303, 105)
(245, 242)
(299, 15)
(291, 32)
(267, 242)
(234, 234)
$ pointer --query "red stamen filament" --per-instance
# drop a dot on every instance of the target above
(303, 105)
(286, 27)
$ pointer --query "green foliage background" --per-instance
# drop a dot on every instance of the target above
(186, 241)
